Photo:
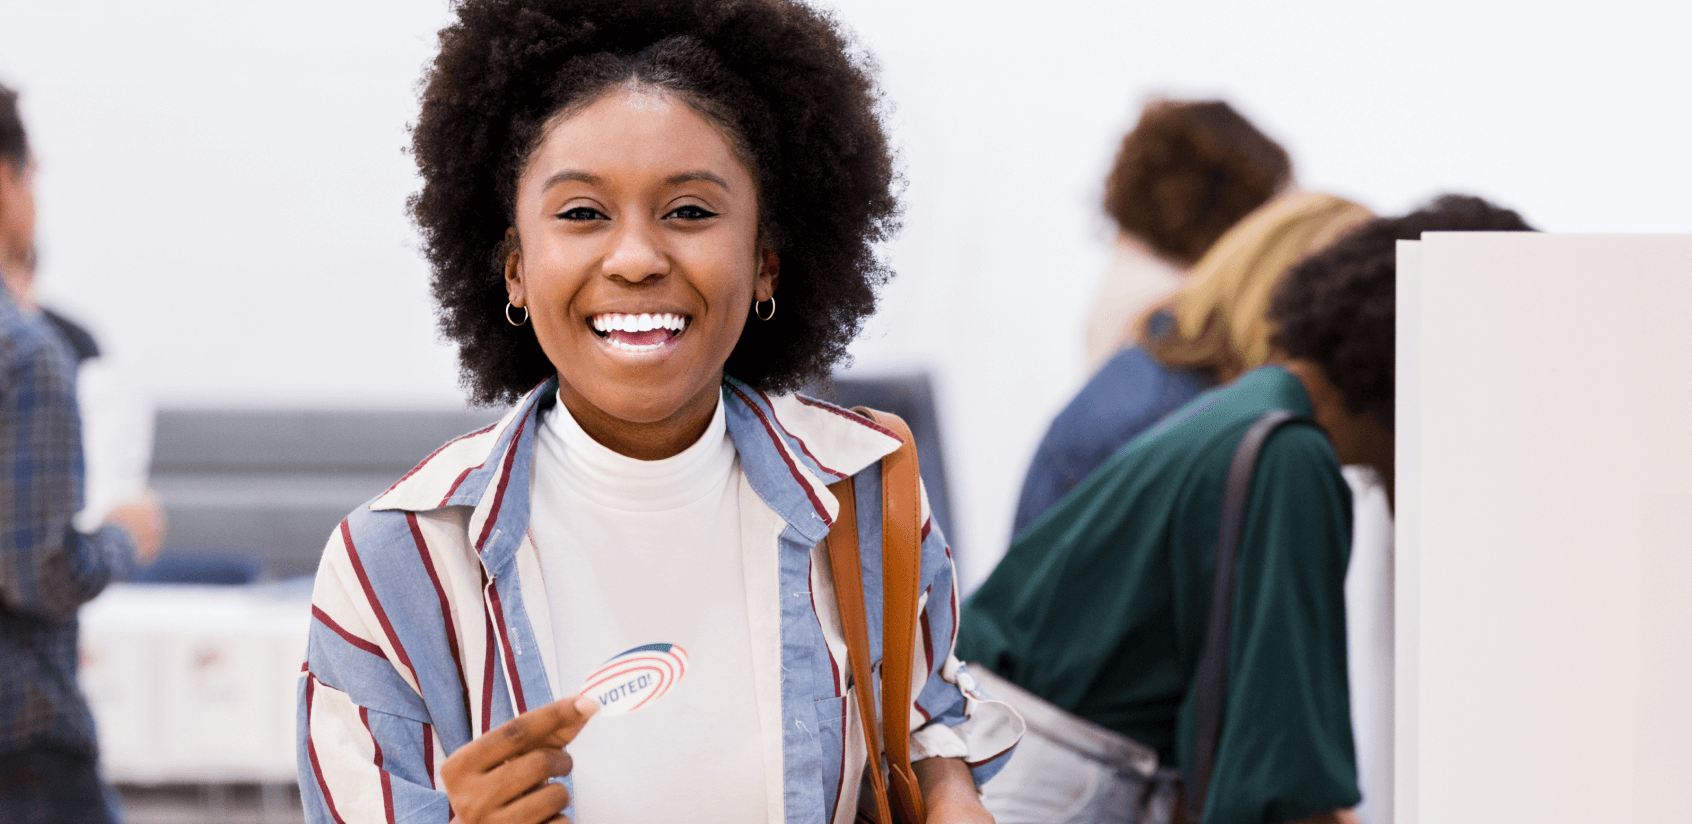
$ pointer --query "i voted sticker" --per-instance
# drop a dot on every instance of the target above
(636, 678)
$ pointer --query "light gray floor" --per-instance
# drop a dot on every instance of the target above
(212, 804)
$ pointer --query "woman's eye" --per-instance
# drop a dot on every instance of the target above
(581, 213)
(691, 212)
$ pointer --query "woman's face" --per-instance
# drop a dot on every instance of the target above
(637, 258)
(17, 214)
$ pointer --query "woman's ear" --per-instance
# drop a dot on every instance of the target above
(769, 271)
(513, 268)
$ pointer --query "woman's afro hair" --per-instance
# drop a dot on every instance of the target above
(783, 81)
(1338, 306)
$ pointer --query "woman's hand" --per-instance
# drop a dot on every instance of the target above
(948, 791)
(502, 777)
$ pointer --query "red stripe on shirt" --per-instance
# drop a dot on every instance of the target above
(429, 754)
(802, 447)
(927, 642)
(387, 781)
(446, 607)
(453, 490)
(311, 754)
(323, 618)
(376, 605)
(927, 657)
(505, 644)
(438, 450)
(504, 478)
(822, 511)
(488, 670)
(851, 416)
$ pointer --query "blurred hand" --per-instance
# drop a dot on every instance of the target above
(142, 518)
(502, 776)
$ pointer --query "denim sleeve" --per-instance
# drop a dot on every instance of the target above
(952, 717)
(366, 745)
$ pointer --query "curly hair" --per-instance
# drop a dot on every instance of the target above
(781, 79)
(1187, 172)
(1338, 307)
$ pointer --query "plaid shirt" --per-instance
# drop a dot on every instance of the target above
(47, 569)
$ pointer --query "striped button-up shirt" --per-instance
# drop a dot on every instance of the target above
(47, 569)
(431, 624)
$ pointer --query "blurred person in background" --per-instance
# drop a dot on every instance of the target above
(1094, 623)
(615, 192)
(117, 418)
(1189, 170)
(117, 424)
(1211, 331)
(20, 281)
(48, 752)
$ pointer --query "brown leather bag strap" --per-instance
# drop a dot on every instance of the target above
(901, 577)
(842, 547)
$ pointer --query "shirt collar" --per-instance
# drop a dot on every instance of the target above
(790, 446)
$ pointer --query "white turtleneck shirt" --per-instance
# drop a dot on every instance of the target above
(639, 552)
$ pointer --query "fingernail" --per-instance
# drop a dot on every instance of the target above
(586, 705)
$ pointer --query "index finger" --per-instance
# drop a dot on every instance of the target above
(553, 725)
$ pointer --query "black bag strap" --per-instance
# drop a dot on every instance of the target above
(1212, 677)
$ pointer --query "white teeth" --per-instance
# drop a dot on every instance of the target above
(646, 322)
(629, 347)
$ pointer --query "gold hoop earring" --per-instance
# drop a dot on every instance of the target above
(508, 319)
(761, 316)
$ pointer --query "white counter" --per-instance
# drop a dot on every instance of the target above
(193, 683)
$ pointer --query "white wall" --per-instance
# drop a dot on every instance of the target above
(222, 184)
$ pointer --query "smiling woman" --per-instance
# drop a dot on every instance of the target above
(776, 82)
(614, 193)
(636, 252)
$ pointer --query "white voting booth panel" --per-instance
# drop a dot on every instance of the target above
(1544, 530)
(195, 684)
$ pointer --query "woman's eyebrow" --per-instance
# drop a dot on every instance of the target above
(688, 177)
(571, 174)
(595, 180)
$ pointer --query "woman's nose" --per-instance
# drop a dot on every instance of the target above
(636, 253)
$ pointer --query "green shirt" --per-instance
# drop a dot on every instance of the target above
(1100, 605)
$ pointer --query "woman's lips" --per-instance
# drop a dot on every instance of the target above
(637, 333)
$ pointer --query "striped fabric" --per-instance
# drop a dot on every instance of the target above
(431, 624)
(47, 569)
